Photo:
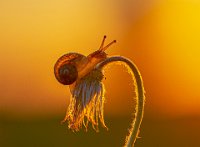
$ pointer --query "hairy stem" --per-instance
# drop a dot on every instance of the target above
(134, 130)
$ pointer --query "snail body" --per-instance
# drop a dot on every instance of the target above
(71, 67)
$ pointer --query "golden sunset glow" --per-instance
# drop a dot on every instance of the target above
(162, 38)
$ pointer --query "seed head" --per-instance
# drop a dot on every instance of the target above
(87, 102)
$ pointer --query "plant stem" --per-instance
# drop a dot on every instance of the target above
(134, 130)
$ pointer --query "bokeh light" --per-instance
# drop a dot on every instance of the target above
(161, 37)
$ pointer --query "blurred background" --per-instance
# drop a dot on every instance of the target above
(162, 37)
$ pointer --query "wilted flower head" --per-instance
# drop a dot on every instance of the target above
(84, 79)
(87, 102)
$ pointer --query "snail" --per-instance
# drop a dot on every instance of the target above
(71, 67)
(84, 76)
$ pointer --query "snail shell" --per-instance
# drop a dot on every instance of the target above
(66, 68)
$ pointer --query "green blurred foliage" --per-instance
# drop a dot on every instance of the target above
(43, 132)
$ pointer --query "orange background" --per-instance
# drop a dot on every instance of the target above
(161, 37)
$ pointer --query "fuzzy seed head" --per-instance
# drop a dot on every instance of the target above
(87, 102)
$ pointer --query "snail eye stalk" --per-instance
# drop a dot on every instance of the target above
(102, 43)
(102, 48)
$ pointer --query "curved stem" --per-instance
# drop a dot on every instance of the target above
(134, 131)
